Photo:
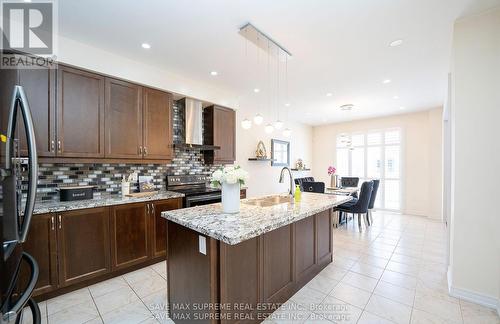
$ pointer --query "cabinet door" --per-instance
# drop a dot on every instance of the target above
(224, 134)
(123, 120)
(80, 113)
(305, 249)
(39, 86)
(83, 240)
(129, 235)
(42, 245)
(159, 225)
(324, 225)
(157, 119)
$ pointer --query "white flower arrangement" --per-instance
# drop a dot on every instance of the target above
(230, 175)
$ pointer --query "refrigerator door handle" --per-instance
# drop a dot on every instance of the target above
(25, 297)
(19, 97)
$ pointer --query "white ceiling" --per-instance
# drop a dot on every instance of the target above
(338, 46)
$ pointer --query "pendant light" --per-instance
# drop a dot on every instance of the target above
(258, 119)
(287, 132)
(269, 129)
(246, 123)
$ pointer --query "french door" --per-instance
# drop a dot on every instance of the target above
(374, 155)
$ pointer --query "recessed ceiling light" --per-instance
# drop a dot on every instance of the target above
(402, 108)
(27, 0)
(146, 45)
(214, 73)
(287, 104)
(256, 90)
(395, 97)
(396, 42)
(346, 107)
(329, 94)
(386, 81)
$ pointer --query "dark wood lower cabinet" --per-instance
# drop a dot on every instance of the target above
(42, 245)
(83, 245)
(129, 234)
(159, 225)
(255, 276)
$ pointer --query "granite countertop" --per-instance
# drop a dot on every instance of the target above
(252, 220)
(61, 206)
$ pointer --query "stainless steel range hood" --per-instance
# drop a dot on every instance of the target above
(193, 132)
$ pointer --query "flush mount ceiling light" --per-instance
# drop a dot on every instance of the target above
(214, 73)
(269, 128)
(258, 119)
(396, 42)
(329, 94)
(386, 81)
(246, 123)
(347, 107)
(146, 46)
(287, 132)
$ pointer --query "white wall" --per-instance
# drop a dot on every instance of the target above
(422, 167)
(475, 216)
(263, 177)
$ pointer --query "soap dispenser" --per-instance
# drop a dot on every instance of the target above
(297, 193)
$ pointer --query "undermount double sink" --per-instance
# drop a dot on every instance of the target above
(270, 201)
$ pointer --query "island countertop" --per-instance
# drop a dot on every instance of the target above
(252, 220)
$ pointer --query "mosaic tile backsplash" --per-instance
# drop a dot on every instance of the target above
(107, 177)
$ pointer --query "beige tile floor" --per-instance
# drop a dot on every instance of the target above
(394, 272)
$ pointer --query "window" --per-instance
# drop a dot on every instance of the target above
(373, 155)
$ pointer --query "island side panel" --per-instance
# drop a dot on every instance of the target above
(192, 276)
(240, 281)
(324, 249)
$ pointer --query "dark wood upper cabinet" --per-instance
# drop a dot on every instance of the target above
(83, 244)
(80, 113)
(220, 130)
(129, 234)
(157, 124)
(159, 225)
(39, 86)
(123, 120)
(42, 245)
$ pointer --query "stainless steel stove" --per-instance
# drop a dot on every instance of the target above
(195, 188)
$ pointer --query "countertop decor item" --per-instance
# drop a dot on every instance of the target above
(230, 178)
(299, 165)
(146, 184)
(76, 193)
(333, 176)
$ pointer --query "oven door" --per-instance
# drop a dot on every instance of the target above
(199, 200)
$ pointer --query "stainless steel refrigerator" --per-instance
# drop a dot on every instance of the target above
(16, 212)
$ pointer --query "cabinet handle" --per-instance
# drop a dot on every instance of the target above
(153, 207)
(59, 146)
(52, 146)
(147, 205)
(140, 150)
(145, 150)
(52, 223)
(59, 218)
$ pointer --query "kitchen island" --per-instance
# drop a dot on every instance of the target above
(238, 268)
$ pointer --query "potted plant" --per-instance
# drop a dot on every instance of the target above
(333, 177)
(230, 178)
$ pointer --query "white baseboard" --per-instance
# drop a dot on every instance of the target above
(471, 296)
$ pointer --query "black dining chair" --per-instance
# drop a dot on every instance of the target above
(318, 187)
(347, 182)
(371, 204)
(300, 181)
(359, 206)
